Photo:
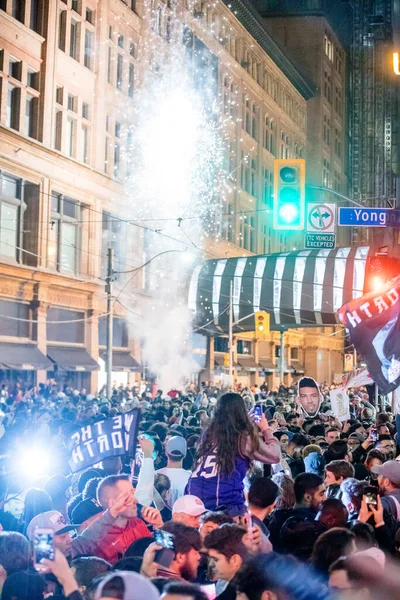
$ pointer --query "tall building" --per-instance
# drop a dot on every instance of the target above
(66, 69)
(276, 112)
(307, 30)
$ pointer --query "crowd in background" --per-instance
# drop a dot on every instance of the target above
(262, 501)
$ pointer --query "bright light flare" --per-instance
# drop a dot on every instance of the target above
(33, 463)
(376, 283)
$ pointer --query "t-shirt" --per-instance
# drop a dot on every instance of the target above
(178, 478)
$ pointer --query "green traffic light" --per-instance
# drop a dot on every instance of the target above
(289, 213)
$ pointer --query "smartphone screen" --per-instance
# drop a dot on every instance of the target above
(210, 590)
(374, 435)
(164, 539)
(43, 545)
(165, 556)
(258, 412)
(371, 496)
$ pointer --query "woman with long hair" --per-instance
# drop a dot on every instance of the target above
(228, 445)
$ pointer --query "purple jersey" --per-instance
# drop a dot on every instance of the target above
(219, 490)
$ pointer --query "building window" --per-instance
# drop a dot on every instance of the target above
(230, 98)
(327, 130)
(18, 10)
(336, 180)
(70, 137)
(85, 110)
(268, 186)
(120, 332)
(113, 236)
(117, 156)
(131, 80)
(251, 118)
(221, 344)
(117, 129)
(72, 103)
(84, 144)
(19, 324)
(89, 16)
(60, 95)
(89, 37)
(15, 68)
(74, 40)
(31, 116)
(120, 40)
(120, 62)
(270, 135)
(338, 143)
(64, 235)
(338, 61)
(338, 101)
(286, 146)
(244, 347)
(11, 207)
(327, 86)
(13, 107)
(132, 49)
(326, 174)
(109, 66)
(33, 79)
(294, 353)
(71, 332)
(328, 46)
(76, 6)
(58, 130)
(62, 30)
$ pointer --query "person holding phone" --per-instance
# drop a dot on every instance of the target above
(229, 444)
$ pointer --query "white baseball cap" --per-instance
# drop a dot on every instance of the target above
(190, 505)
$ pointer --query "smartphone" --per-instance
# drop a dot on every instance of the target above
(43, 546)
(165, 556)
(210, 590)
(258, 413)
(371, 496)
(374, 435)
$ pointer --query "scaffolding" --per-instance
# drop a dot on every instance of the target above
(371, 104)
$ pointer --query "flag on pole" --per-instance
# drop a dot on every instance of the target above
(373, 321)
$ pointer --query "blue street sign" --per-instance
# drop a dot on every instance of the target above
(364, 217)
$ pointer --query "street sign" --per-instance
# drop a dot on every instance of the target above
(321, 218)
(319, 240)
(364, 217)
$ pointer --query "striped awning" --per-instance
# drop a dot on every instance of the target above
(298, 289)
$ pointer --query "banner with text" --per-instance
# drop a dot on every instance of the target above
(374, 325)
(340, 403)
(111, 437)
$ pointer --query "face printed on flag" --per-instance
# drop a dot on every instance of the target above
(309, 396)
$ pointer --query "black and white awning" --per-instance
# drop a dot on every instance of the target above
(298, 289)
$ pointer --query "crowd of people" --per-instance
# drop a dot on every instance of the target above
(247, 495)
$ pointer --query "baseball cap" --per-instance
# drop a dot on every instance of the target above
(135, 586)
(52, 519)
(176, 447)
(85, 510)
(389, 469)
(190, 505)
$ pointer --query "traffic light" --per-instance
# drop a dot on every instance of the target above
(289, 194)
(379, 270)
(262, 321)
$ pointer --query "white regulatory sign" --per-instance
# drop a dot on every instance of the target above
(321, 218)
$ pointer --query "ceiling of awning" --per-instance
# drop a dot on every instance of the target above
(68, 358)
(23, 357)
(298, 289)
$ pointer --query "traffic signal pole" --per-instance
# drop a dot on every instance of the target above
(110, 261)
